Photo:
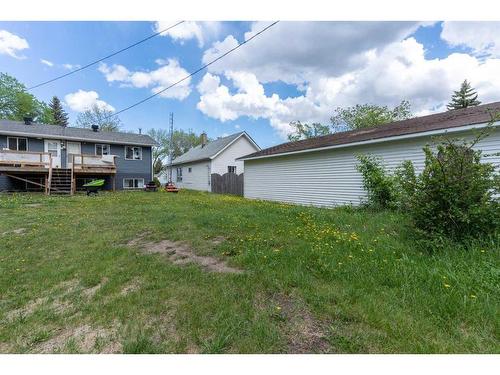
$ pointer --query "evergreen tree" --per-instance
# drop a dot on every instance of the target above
(59, 115)
(465, 97)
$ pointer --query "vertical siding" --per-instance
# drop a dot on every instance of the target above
(329, 178)
(198, 179)
(239, 148)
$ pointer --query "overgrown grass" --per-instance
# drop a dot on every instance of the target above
(353, 278)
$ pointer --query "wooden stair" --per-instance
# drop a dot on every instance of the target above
(60, 181)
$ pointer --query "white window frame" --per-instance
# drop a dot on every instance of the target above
(178, 176)
(140, 152)
(103, 145)
(231, 166)
(134, 179)
(17, 143)
(190, 169)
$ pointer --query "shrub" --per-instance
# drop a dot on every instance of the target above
(156, 181)
(377, 183)
(454, 197)
(405, 182)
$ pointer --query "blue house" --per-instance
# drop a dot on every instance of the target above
(56, 159)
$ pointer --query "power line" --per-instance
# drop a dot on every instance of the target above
(195, 72)
(105, 57)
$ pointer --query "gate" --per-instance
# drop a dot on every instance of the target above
(228, 183)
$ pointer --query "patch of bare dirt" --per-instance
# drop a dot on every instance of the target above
(20, 231)
(218, 240)
(304, 333)
(181, 253)
(131, 287)
(4, 347)
(27, 309)
(86, 339)
(33, 205)
(90, 292)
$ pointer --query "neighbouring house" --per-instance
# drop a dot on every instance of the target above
(56, 159)
(322, 171)
(194, 169)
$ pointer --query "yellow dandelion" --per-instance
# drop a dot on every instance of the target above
(447, 285)
(473, 296)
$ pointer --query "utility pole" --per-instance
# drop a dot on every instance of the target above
(171, 147)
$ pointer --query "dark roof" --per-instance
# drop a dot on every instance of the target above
(211, 149)
(438, 121)
(60, 132)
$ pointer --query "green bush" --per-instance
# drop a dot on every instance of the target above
(454, 197)
(377, 183)
(156, 181)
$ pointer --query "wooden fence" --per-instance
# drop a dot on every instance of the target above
(228, 183)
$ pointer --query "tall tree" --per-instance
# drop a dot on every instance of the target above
(16, 102)
(182, 142)
(59, 116)
(304, 131)
(363, 116)
(101, 117)
(463, 98)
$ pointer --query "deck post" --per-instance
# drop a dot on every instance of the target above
(46, 186)
(113, 182)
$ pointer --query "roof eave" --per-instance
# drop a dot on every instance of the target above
(377, 140)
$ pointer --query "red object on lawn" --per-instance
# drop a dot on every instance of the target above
(171, 188)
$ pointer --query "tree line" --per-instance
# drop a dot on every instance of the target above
(361, 116)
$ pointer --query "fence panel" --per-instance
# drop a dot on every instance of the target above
(228, 183)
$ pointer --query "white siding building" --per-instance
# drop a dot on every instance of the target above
(322, 171)
(193, 169)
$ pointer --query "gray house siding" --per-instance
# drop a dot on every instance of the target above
(125, 168)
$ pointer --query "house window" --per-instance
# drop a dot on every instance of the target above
(133, 183)
(179, 174)
(190, 170)
(133, 153)
(231, 169)
(17, 144)
(102, 150)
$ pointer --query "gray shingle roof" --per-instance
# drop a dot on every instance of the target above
(203, 153)
(59, 132)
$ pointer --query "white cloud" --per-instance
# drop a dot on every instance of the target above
(47, 62)
(201, 31)
(482, 37)
(398, 71)
(296, 52)
(10, 44)
(70, 66)
(157, 80)
(82, 100)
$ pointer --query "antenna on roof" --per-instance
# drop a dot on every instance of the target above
(171, 146)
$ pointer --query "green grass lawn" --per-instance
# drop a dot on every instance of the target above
(313, 280)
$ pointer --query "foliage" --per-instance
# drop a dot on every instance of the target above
(305, 131)
(16, 102)
(363, 116)
(156, 181)
(99, 116)
(60, 117)
(377, 183)
(463, 98)
(182, 141)
(405, 182)
(455, 194)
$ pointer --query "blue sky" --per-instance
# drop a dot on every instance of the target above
(294, 71)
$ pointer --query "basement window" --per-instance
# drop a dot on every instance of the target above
(133, 153)
(133, 183)
(231, 169)
(17, 144)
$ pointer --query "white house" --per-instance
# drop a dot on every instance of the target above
(193, 169)
(322, 171)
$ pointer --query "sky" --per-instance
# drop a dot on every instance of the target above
(293, 71)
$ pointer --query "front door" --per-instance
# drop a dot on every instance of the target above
(53, 147)
(72, 148)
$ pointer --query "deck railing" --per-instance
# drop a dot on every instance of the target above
(88, 161)
(25, 158)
